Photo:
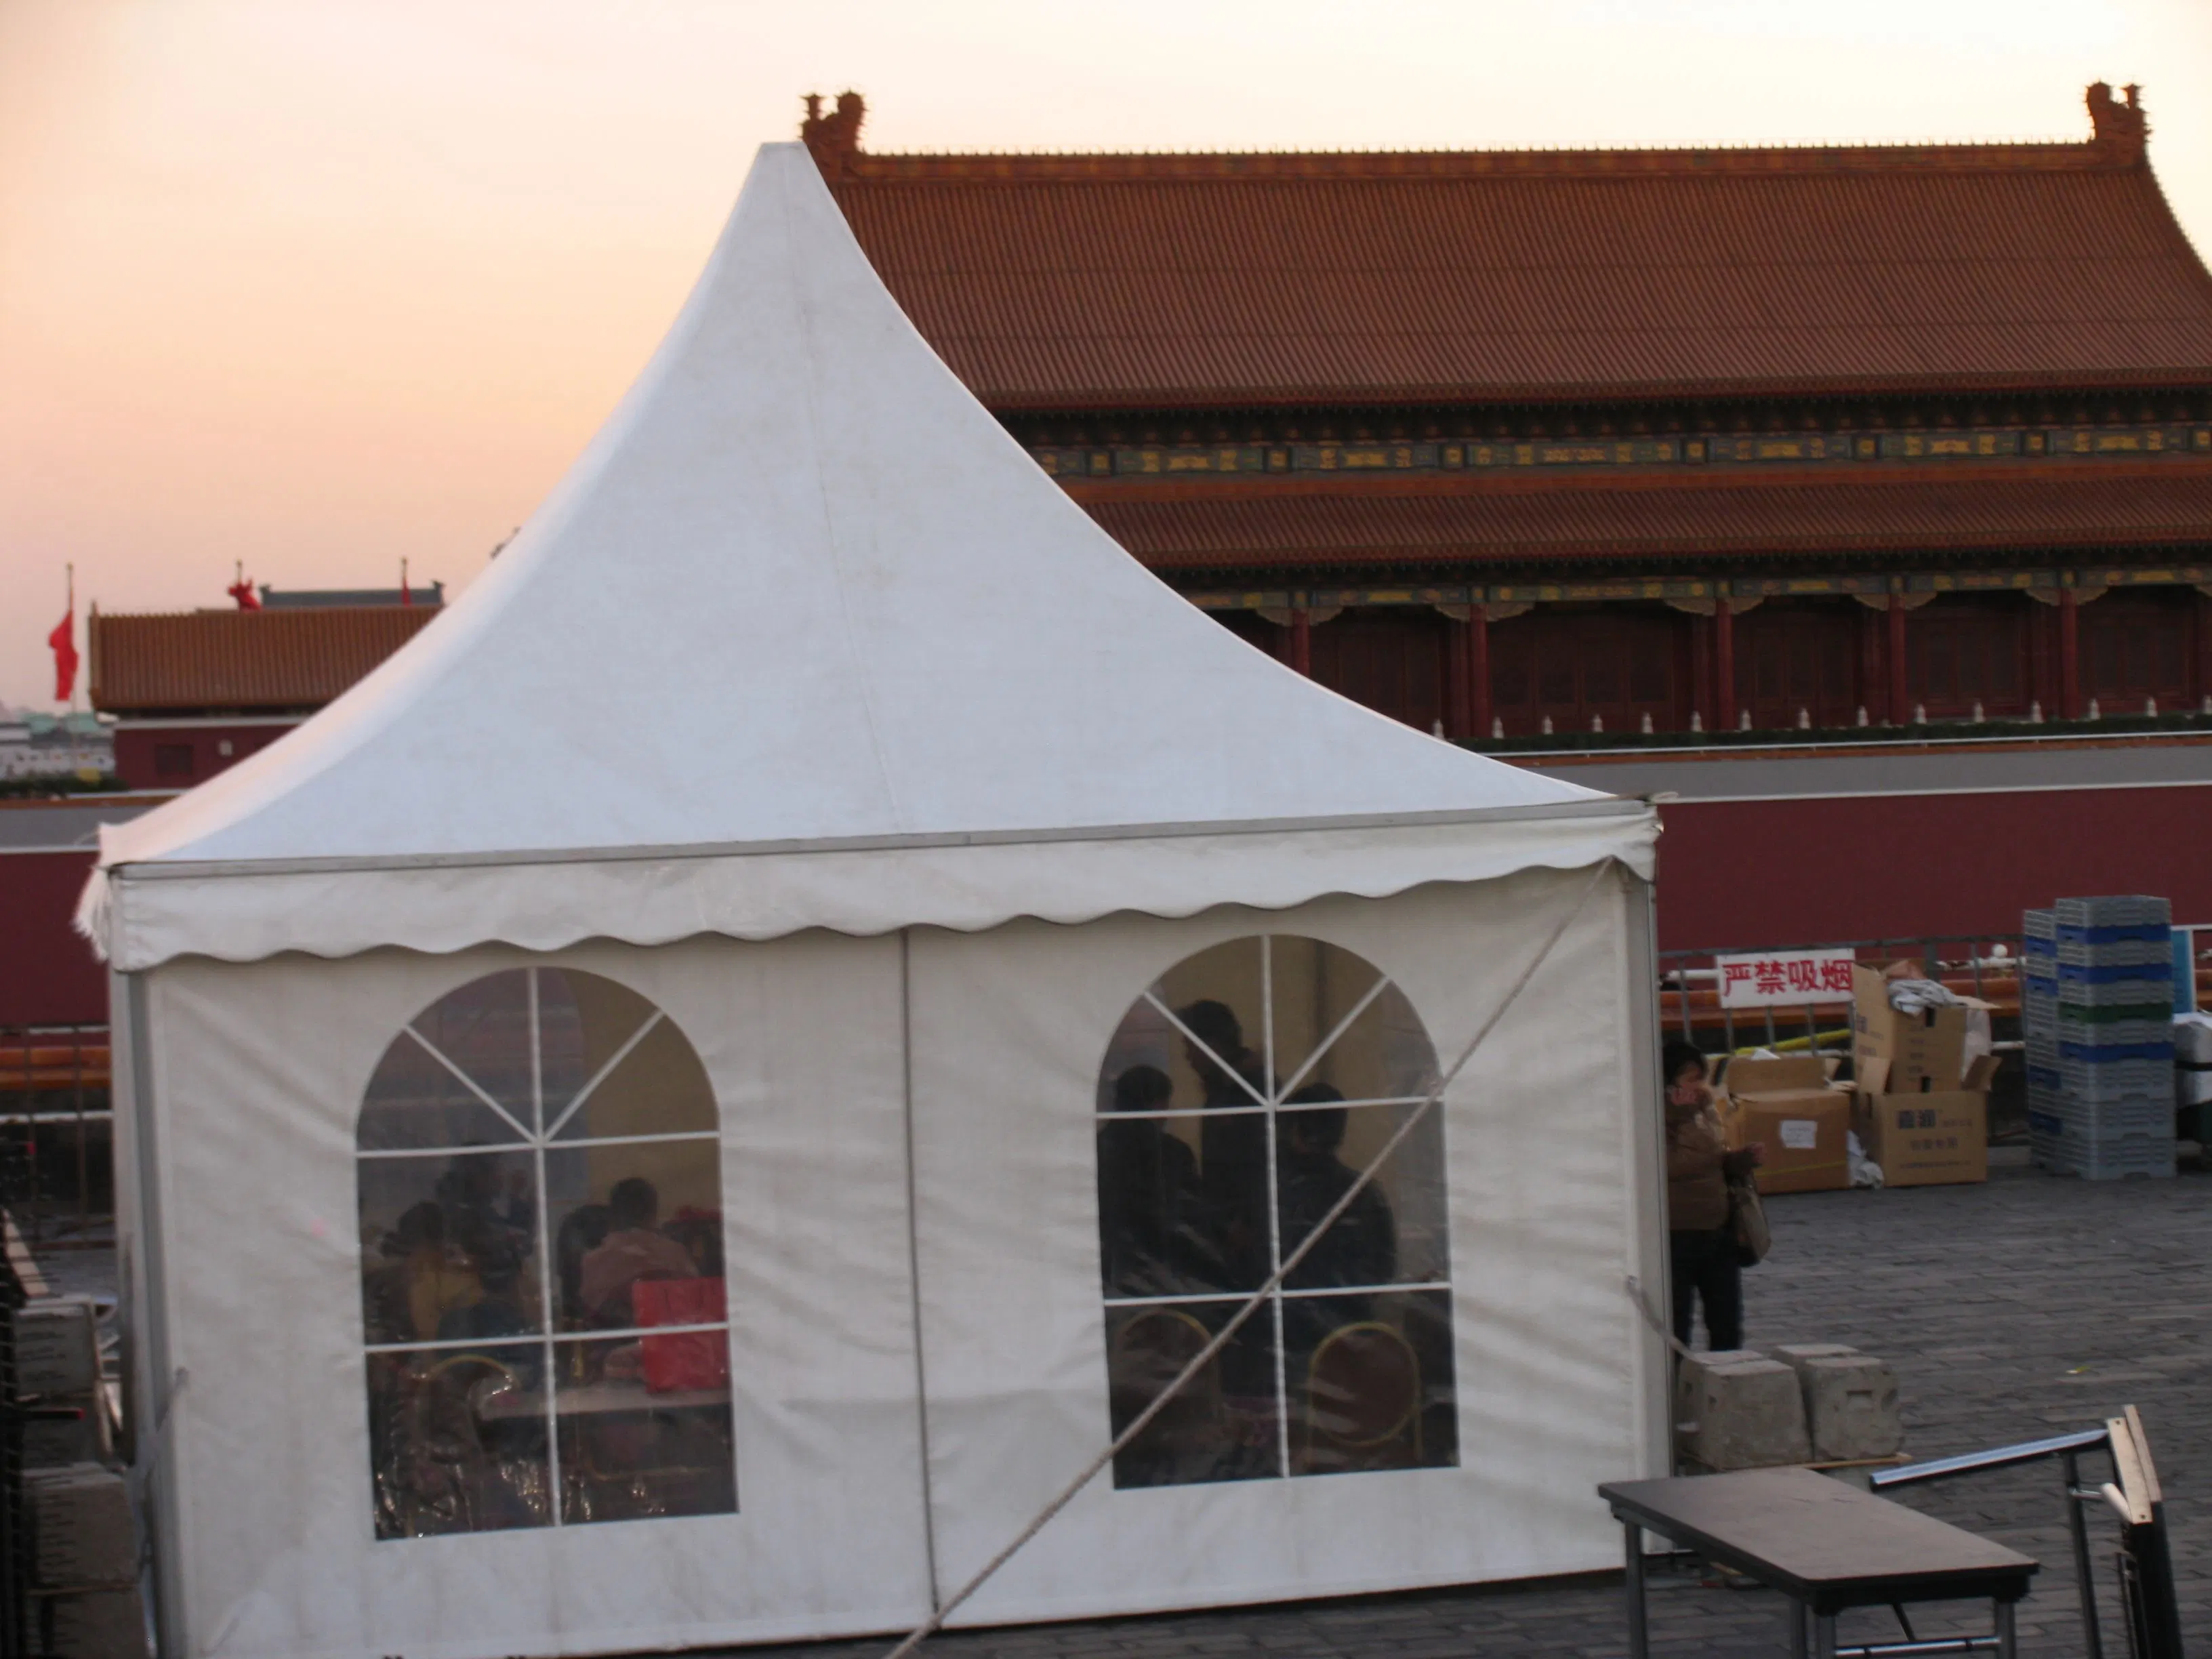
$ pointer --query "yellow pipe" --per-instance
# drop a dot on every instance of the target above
(1790, 1044)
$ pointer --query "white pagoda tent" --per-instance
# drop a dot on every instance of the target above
(782, 854)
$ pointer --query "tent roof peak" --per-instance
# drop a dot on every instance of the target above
(858, 609)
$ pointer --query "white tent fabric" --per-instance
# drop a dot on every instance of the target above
(803, 597)
(918, 1343)
(811, 712)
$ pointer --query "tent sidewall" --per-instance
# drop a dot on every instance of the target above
(255, 1082)
(1548, 1138)
(906, 1124)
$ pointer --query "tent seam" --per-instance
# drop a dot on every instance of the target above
(863, 687)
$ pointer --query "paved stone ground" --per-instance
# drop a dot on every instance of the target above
(2012, 1311)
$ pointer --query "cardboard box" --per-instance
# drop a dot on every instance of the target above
(1787, 1106)
(1935, 1139)
(67, 1432)
(82, 1529)
(57, 1347)
(108, 1624)
(1922, 1052)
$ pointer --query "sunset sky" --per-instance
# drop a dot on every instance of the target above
(318, 285)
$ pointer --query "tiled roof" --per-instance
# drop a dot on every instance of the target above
(1176, 527)
(1073, 282)
(241, 659)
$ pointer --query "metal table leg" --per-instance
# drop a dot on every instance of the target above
(2092, 1639)
(1639, 1644)
(1800, 1630)
(2008, 1646)
(1824, 1636)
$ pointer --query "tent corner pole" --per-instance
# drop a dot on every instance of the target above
(150, 1392)
(1647, 1142)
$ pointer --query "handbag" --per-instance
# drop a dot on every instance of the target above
(682, 1360)
(1746, 1222)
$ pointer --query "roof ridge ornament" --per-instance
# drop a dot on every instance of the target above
(2121, 129)
(832, 139)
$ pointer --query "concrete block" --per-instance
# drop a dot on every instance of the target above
(1690, 1367)
(1795, 1354)
(1851, 1406)
(1750, 1415)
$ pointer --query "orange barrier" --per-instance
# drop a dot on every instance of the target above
(52, 1065)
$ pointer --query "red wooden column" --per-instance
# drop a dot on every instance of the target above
(1724, 664)
(1701, 668)
(2200, 640)
(2069, 655)
(1872, 685)
(1457, 720)
(1900, 696)
(1476, 630)
(1302, 640)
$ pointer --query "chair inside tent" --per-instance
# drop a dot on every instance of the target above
(693, 1101)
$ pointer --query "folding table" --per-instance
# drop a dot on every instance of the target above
(1826, 1546)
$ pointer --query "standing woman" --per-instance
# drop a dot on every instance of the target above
(1701, 1244)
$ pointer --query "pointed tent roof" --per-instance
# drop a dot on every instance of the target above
(804, 638)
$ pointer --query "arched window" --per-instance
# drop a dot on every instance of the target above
(541, 1244)
(1240, 1097)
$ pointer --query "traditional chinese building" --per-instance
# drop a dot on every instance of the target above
(1523, 442)
(194, 692)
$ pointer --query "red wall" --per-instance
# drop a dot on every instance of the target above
(1773, 872)
(138, 755)
(48, 975)
(1748, 873)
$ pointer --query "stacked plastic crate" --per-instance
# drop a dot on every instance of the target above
(2097, 1010)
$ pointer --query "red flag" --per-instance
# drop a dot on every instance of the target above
(63, 641)
(406, 594)
(242, 591)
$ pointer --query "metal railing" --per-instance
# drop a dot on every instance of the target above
(15, 1530)
(1981, 965)
(56, 1142)
(2144, 1561)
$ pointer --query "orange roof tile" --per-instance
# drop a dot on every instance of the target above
(242, 660)
(1090, 282)
(1441, 522)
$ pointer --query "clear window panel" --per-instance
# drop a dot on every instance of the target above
(1238, 1101)
(644, 1427)
(1370, 1382)
(449, 1246)
(457, 1440)
(1212, 1050)
(1158, 1233)
(1315, 985)
(658, 1087)
(483, 1027)
(1394, 1232)
(1383, 1053)
(1224, 1424)
(623, 1215)
(413, 1101)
